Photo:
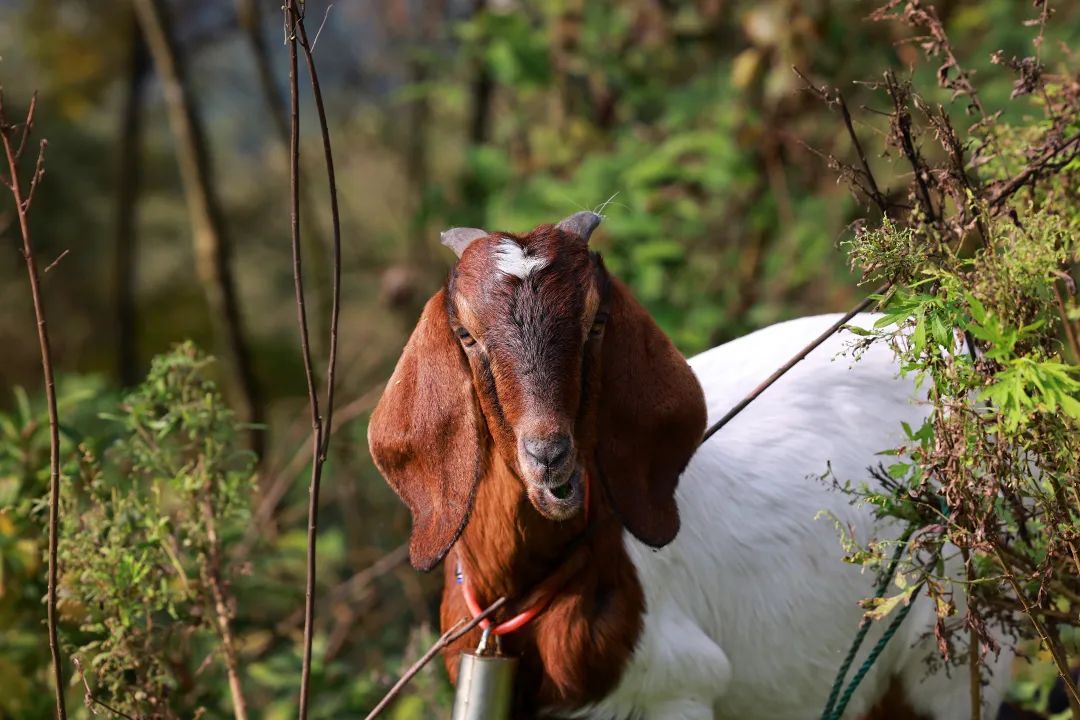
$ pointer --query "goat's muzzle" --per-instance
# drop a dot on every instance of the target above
(553, 480)
(558, 499)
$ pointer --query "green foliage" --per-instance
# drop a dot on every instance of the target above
(983, 314)
(682, 122)
(142, 534)
(24, 474)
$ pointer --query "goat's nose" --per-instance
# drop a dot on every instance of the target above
(549, 452)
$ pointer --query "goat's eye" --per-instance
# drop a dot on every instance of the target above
(597, 328)
(466, 339)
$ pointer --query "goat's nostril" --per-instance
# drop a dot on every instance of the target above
(548, 452)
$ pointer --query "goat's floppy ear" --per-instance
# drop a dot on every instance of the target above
(651, 416)
(425, 435)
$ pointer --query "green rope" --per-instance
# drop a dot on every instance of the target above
(872, 658)
(833, 711)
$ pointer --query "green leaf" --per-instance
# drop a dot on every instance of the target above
(978, 310)
(22, 403)
(898, 471)
(1071, 406)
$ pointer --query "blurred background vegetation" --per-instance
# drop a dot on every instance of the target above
(683, 119)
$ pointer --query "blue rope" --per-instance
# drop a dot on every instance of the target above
(833, 709)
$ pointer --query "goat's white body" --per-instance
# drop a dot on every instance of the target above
(750, 610)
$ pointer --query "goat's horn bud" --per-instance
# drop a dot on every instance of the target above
(457, 239)
(581, 224)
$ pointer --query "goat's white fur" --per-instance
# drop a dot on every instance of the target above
(510, 259)
(750, 610)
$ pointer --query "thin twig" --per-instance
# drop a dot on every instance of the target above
(901, 119)
(318, 32)
(35, 178)
(974, 657)
(741, 405)
(25, 128)
(23, 210)
(448, 637)
(313, 399)
(56, 262)
(831, 96)
(1060, 660)
(249, 15)
(321, 429)
(212, 570)
(1040, 164)
(362, 579)
(88, 696)
(284, 476)
(335, 216)
(1070, 336)
(387, 563)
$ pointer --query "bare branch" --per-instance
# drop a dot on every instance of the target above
(56, 262)
(322, 429)
(22, 209)
(283, 476)
(88, 696)
(335, 216)
(39, 172)
(211, 567)
(28, 124)
(832, 97)
(901, 122)
(1035, 168)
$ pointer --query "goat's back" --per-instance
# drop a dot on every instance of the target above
(751, 609)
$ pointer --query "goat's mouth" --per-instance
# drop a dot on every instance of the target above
(558, 500)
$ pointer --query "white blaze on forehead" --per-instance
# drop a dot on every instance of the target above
(511, 259)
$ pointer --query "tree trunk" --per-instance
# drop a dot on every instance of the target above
(127, 199)
(417, 159)
(250, 16)
(482, 92)
(213, 255)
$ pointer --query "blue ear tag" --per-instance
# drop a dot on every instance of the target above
(460, 576)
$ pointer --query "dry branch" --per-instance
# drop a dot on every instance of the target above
(211, 567)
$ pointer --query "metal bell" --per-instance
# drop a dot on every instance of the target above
(485, 685)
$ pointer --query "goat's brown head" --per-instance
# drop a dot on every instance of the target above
(534, 355)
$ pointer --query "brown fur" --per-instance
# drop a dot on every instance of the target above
(893, 705)
(446, 433)
(575, 651)
(426, 434)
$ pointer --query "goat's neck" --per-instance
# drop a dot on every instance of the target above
(506, 549)
(507, 546)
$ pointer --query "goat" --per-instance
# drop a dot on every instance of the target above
(534, 385)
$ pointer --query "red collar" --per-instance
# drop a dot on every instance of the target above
(543, 593)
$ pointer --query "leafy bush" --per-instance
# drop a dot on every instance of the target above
(142, 541)
(24, 478)
(980, 254)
